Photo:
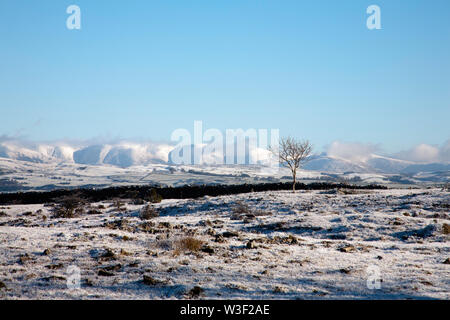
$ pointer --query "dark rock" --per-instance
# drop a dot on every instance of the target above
(219, 238)
(115, 267)
(105, 273)
(150, 281)
(347, 248)
(250, 244)
(54, 278)
(345, 270)
(55, 266)
(108, 255)
(230, 234)
(195, 292)
(24, 258)
(207, 249)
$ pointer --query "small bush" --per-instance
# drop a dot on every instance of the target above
(148, 212)
(240, 208)
(69, 207)
(190, 244)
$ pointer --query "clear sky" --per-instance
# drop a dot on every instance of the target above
(141, 69)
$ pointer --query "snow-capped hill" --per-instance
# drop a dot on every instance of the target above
(89, 155)
(122, 155)
(426, 167)
(129, 154)
(386, 164)
(11, 151)
(326, 163)
(39, 153)
(373, 163)
(208, 155)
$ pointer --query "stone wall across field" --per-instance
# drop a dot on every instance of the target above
(183, 192)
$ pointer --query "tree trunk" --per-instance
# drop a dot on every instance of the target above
(293, 183)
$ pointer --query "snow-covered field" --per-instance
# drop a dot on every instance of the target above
(271, 245)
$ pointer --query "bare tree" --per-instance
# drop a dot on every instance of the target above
(292, 154)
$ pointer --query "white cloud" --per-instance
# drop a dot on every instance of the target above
(424, 153)
(353, 151)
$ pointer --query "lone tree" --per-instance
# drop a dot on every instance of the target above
(292, 154)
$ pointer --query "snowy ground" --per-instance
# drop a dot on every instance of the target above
(269, 245)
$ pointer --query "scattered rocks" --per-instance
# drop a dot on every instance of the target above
(54, 278)
(207, 249)
(108, 255)
(345, 270)
(150, 281)
(24, 258)
(279, 289)
(347, 248)
(114, 267)
(219, 238)
(55, 266)
(195, 292)
(94, 211)
(205, 223)
(125, 253)
(236, 286)
(446, 228)
(250, 244)
(88, 282)
(105, 273)
(230, 234)
(166, 225)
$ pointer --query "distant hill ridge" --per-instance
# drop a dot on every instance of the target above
(125, 155)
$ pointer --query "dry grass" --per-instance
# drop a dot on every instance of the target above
(187, 244)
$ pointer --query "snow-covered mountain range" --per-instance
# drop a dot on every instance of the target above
(125, 155)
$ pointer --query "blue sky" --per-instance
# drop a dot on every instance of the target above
(141, 69)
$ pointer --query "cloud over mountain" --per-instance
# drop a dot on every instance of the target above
(424, 153)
